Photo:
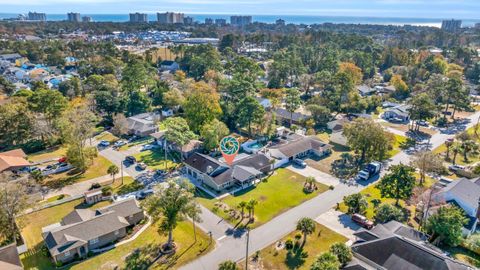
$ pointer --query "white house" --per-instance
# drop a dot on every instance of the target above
(465, 194)
(143, 124)
(399, 113)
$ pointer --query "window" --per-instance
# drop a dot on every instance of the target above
(117, 232)
(93, 241)
(67, 253)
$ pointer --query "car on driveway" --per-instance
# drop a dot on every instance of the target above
(119, 143)
(147, 147)
(130, 159)
(144, 194)
(362, 221)
(455, 168)
(300, 163)
(104, 144)
(141, 166)
(422, 123)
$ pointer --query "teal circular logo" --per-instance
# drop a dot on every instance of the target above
(229, 145)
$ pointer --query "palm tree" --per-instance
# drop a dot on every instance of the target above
(252, 203)
(170, 204)
(242, 206)
(228, 265)
(310, 182)
(113, 170)
(456, 148)
(306, 226)
(448, 144)
(467, 147)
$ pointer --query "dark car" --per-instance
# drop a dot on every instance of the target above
(143, 194)
(130, 159)
(362, 221)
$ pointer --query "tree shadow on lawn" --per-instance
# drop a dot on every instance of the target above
(70, 178)
(127, 188)
(295, 258)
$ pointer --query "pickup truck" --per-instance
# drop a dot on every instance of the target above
(370, 170)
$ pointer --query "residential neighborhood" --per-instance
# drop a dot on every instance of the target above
(172, 140)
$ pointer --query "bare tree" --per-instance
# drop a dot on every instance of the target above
(120, 124)
(427, 162)
(13, 200)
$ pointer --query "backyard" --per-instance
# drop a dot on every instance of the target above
(274, 257)
(276, 194)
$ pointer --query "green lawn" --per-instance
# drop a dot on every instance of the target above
(464, 255)
(442, 150)
(396, 145)
(144, 140)
(317, 243)
(99, 168)
(147, 243)
(54, 199)
(48, 154)
(129, 185)
(106, 136)
(155, 159)
(275, 195)
(32, 231)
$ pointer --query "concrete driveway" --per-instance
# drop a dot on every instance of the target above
(320, 176)
(338, 222)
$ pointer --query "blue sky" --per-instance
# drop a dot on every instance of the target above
(363, 8)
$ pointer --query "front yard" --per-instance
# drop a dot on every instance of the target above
(32, 231)
(279, 258)
(155, 159)
(99, 168)
(146, 243)
(276, 194)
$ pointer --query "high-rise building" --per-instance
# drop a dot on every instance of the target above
(73, 17)
(220, 22)
(138, 17)
(188, 20)
(240, 20)
(280, 22)
(34, 16)
(208, 21)
(170, 17)
(451, 25)
(86, 19)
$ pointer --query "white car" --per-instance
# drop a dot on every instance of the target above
(456, 167)
(300, 163)
(120, 143)
(147, 147)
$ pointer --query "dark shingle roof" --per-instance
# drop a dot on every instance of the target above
(398, 253)
(297, 117)
(299, 146)
(464, 190)
(124, 208)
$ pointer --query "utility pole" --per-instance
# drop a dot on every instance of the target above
(121, 170)
(246, 254)
(194, 230)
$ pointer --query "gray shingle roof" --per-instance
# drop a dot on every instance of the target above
(9, 259)
(122, 208)
(465, 190)
(299, 146)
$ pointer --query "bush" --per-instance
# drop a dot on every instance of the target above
(59, 264)
(331, 187)
(342, 252)
(298, 236)
(387, 212)
(107, 191)
(95, 186)
(289, 244)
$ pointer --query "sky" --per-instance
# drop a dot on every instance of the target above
(461, 9)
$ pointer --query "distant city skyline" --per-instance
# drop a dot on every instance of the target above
(460, 9)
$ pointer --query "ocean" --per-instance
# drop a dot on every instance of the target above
(295, 19)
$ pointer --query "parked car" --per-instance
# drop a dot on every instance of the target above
(120, 143)
(455, 168)
(104, 143)
(141, 166)
(144, 194)
(147, 147)
(362, 221)
(62, 160)
(133, 138)
(422, 123)
(159, 172)
(130, 159)
(300, 163)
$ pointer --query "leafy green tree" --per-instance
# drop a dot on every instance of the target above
(197, 60)
(13, 201)
(178, 131)
(356, 203)
(170, 204)
(17, 123)
(137, 75)
(307, 227)
(212, 133)
(249, 111)
(49, 103)
(368, 138)
(445, 226)
(173, 98)
(342, 251)
(201, 106)
(137, 102)
(422, 108)
(292, 101)
(320, 114)
(228, 265)
(387, 212)
(326, 261)
(398, 183)
(345, 167)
